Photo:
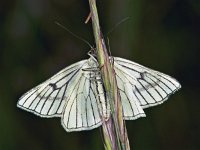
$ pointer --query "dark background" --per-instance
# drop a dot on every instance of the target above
(164, 35)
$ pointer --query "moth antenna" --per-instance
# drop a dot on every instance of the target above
(73, 34)
(116, 25)
(113, 28)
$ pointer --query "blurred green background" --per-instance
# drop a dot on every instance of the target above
(164, 35)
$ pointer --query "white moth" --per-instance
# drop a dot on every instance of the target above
(76, 93)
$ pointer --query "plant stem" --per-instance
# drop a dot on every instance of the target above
(114, 129)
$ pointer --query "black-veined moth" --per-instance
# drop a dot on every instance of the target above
(76, 93)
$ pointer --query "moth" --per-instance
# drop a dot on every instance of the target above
(77, 95)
